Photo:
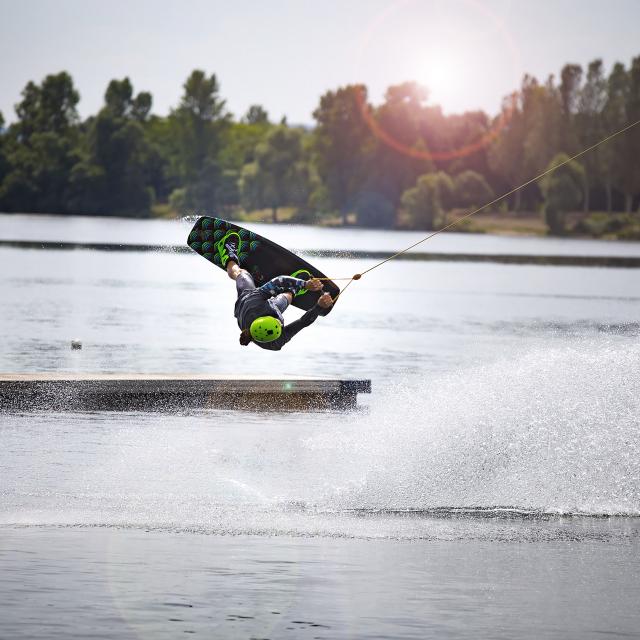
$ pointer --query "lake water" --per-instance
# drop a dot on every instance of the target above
(489, 486)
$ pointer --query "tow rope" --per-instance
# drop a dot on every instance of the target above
(357, 276)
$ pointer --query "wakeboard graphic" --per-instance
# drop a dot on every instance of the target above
(261, 257)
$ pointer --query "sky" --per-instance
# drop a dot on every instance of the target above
(284, 54)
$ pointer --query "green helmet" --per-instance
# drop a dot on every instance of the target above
(265, 329)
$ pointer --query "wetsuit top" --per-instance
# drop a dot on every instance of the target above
(268, 300)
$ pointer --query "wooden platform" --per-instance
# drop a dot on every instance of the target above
(85, 391)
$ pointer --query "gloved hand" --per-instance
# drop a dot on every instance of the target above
(325, 301)
(313, 285)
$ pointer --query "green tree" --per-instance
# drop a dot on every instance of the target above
(40, 147)
(239, 143)
(426, 202)
(253, 187)
(590, 125)
(470, 189)
(198, 125)
(545, 128)
(4, 163)
(570, 80)
(400, 154)
(462, 133)
(50, 107)
(629, 168)
(114, 174)
(615, 118)
(256, 114)
(562, 190)
(228, 191)
(506, 158)
(164, 165)
(280, 174)
(531, 136)
(342, 141)
(120, 101)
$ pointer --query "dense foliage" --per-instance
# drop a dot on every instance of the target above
(400, 163)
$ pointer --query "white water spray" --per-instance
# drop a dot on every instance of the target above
(555, 429)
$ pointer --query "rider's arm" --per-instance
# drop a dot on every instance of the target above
(282, 284)
(322, 307)
(305, 320)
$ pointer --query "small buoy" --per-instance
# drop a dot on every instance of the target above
(76, 344)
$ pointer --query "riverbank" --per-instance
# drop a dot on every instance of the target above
(594, 225)
(598, 224)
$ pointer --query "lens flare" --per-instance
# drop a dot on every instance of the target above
(440, 73)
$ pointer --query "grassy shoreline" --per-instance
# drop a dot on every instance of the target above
(592, 225)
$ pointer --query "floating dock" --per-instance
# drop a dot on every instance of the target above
(104, 392)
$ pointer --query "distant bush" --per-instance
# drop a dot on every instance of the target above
(632, 232)
(178, 200)
(597, 225)
(468, 225)
(562, 190)
(426, 202)
(470, 189)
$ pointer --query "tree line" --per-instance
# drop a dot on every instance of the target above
(399, 163)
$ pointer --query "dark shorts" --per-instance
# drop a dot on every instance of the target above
(245, 284)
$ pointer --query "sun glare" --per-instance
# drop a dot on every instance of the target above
(444, 73)
(442, 76)
(458, 51)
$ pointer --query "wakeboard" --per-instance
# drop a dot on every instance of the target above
(261, 257)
